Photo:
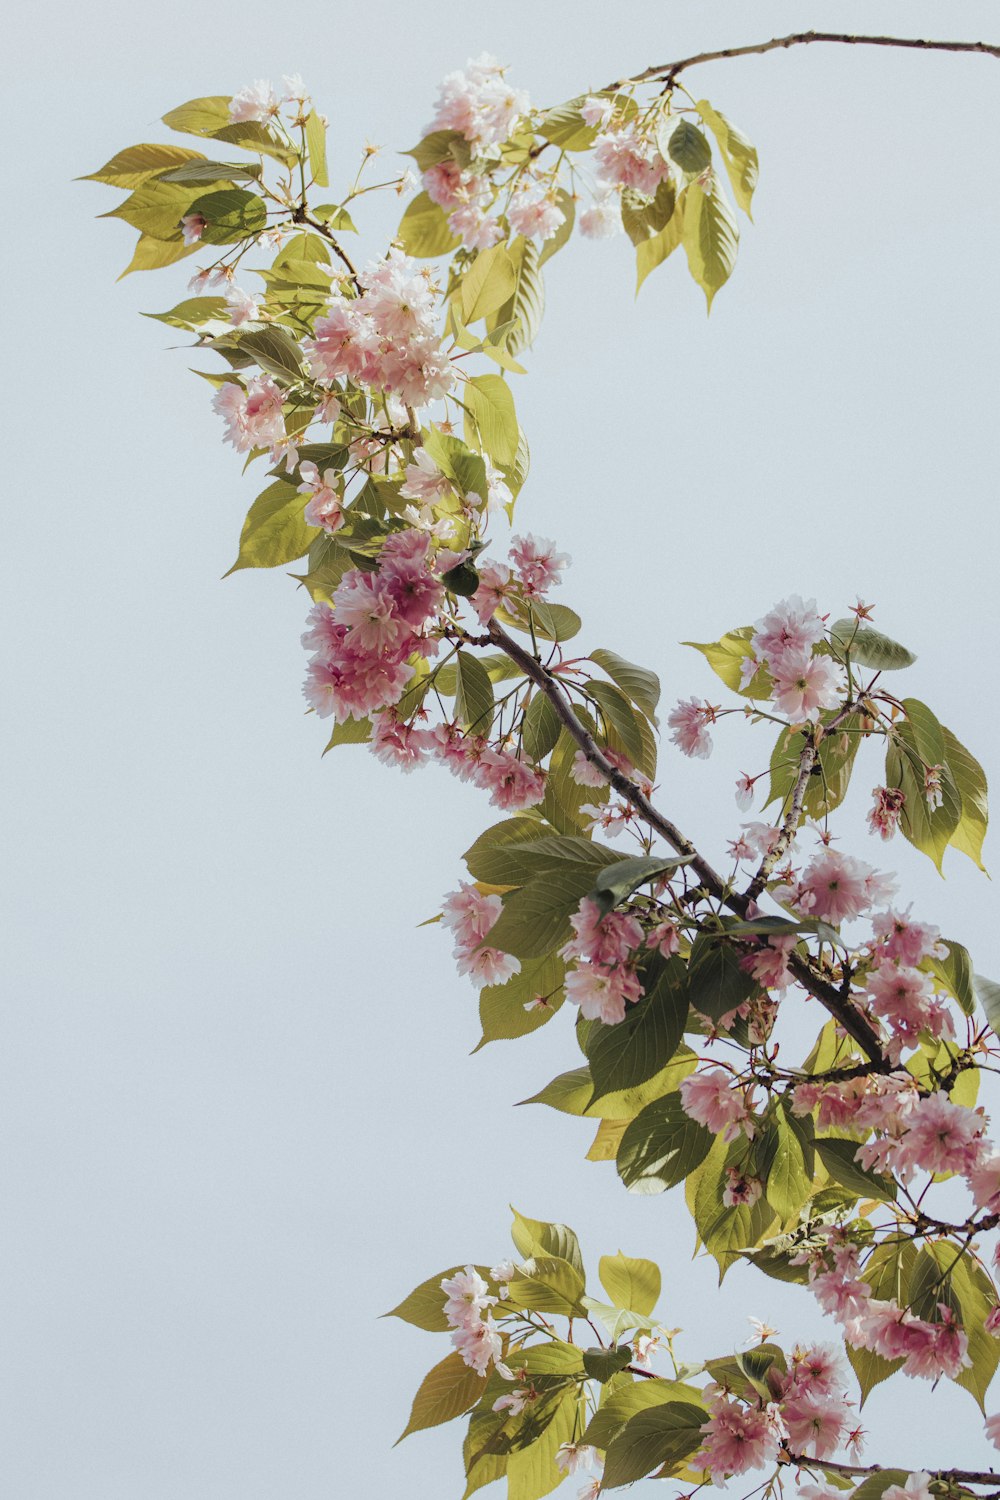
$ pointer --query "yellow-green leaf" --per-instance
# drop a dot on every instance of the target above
(447, 1391)
(739, 155)
(710, 235)
(274, 531)
(630, 1281)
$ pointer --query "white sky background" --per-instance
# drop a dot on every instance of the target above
(239, 1115)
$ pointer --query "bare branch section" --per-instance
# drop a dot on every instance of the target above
(827, 994)
(859, 1471)
(667, 73)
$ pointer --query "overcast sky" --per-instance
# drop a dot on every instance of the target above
(240, 1118)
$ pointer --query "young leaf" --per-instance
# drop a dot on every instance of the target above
(489, 282)
(636, 1049)
(630, 1282)
(663, 1436)
(423, 230)
(447, 1391)
(490, 407)
(137, 164)
(424, 1307)
(316, 146)
(868, 647)
(617, 881)
(739, 155)
(274, 531)
(637, 683)
(661, 1147)
(710, 236)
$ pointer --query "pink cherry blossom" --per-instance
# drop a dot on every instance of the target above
(479, 1344)
(739, 1190)
(737, 1438)
(835, 887)
(193, 226)
(512, 784)
(243, 308)
(534, 214)
(992, 1429)
(768, 964)
(601, 939)
(624, 159)
(603, 219)
(664, 938)
(602, 993)
(713, 1098)
(478, 103)
(257, 101)
(399, 744)
(803, 685)
(689, 721)
(905, 940)
(325, 505)
(884, 814)
(468, 1297)
(537, 564)
(791, 626)
(573, 1456)
(940, 1137)
(816, 1424)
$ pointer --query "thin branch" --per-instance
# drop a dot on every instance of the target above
(958, 1476)
(667, 73)
(852, 1021)
(300, 216)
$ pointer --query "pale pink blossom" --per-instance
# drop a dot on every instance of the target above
(984, 1181)
(478, 103)
(537, 564)
(488, 966)
(474, 227)
(607, 939)
(884, 814)
(325, 505)
(603, 219)
(494, 587)
(835, 887)
(624, 159)
(803, 685)
(596, 112)
(714, 1099)
(992, 1323)
(791, 626)
(193, 226)
(362, 602)
(908, 941)
(665, 938)
(736, 1438)
(468, 1297)
(741, 1191)
(744, 791)
(940, 1137)
(396, 743)
(816, 1370)
(479, 1344)
(514, 1401)
(933, 790)
(243, 308)
(644, 1347)
(816, 1424)
(689, 722)
(423, 480)
(602, 994)
(534, 214)
(257, 101)
(768, 964)
(907, 1000)
(573, 1456)
(917, 1487)
(469, 914)
(992, 1430)
(294, 90)
(253, 416)
(512, 784)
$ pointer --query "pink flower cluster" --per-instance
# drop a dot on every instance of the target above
(469, 915)
(803, 682)
(476, 1337)
(385, 339)
(714, 1098)
(928, 1349)
(837, 888)
(535, 567)
(378, 620)
(624, 158)
(689, 722)
(604, 980)
(253, 416)
(478, 104)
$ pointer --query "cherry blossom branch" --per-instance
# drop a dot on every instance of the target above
(808, 759)
(958, 1476)
(667, 73)
(300, 216)
(852, 1021)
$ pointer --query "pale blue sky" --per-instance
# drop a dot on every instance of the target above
(239, 1115)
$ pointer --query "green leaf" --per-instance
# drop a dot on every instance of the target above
(955, 973)
(350, 732)
(887, 1271)
(490, 407)
(566, 128)
(827, 788)
(251, 135)
(684, 144)
(642, 217)
(502, 1007)
(628, 1400)
(868, 647)
(619, 716)
(316, 146)
(150, 254)
(439, 146)
(335, 217)
(193, 313)
(778, 926)
(474, 694)
(447, 1391)
(789, 1177)
(637, 683)
(617, 881)
(540, 727)
(274, 531)
(630, 1281)
(945, 1273)
(535, 919)
(661, 1147)
(276, 351)
(531, 1469)
(663, 1436)
(970, 782)
(653, 252)
(424, 1307)
(915, 743)
(739, 156)
(525, 307)
(716, 983)
(710, 236)
(137, 164)
(988, 995)
(564, 201)
(572, 1093)
(200, 116)
(513, 863)
(602, 1364)
(637, 1048)
(875, 1486)
(156, 209)
(488, 860)
(197, 173)
(423, 230)
(726, 658)
(231, 215)
(534, 1237)
(838, 1156)
(553, 622)
(549, 1284)
(489, 282)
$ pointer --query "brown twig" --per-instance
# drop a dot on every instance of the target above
(667, 73)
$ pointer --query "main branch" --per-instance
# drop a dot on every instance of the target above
(852, 1021)
(667, 73)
